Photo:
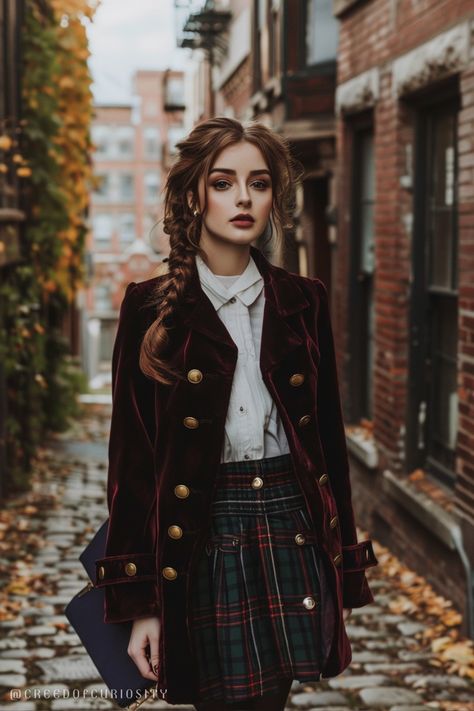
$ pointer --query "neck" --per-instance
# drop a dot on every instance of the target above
(225, 259)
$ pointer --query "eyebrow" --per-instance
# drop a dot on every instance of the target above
(232, 172)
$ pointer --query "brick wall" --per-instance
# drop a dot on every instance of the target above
(373, 34)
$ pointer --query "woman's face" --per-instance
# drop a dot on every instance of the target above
(239, 182)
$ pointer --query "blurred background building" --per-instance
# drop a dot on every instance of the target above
(134, 145)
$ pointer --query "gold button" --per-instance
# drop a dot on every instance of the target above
(194, 375)
(300, 539)
(175, 531)
(131, 569)
(101, 572)
(181, 491)
(297, 379)
(304, 420)
(309, 602)
(337, 559)
(257, 483)
(169, 573)
(333, 522)
(191, 422)
(323, 479)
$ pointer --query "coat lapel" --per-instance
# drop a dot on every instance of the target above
(283, 298)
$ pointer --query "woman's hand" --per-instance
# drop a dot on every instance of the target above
(346, 612)
(145, 631)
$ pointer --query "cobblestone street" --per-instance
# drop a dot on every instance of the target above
(397, 664)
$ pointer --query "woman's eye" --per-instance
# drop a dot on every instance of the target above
(220, 182)
(261, 183)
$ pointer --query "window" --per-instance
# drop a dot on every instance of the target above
(126, 187)
(124, 142)
(151, 143)
(434, 424)
(101, 138)
(175, 134)
(102, 297)
(175, 91)
(362, 273)
(321, 32)
(102, 226)
(152, 186)
(149, 229)
(102, 192)
(127, 228)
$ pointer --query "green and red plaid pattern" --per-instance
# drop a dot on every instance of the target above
(250, 625)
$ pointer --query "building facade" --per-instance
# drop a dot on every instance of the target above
(135, 145)
(404, 303)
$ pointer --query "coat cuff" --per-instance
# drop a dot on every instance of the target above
(130, 586)
(355, 588)
(126, 568)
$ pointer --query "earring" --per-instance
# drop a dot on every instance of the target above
(196, 213)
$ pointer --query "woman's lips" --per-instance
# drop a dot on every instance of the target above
(243, 223)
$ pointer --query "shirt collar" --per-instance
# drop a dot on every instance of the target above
(246, 288)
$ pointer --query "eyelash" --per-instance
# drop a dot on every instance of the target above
(221, 180)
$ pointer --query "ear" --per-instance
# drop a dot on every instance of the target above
(189, 197)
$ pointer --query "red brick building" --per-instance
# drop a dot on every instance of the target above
(135, 144)
(403, 295)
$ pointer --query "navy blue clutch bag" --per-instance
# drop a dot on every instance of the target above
(106, 643)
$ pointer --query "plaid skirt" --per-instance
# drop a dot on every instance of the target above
(257, 598)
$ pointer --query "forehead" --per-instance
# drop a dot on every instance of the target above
(242, 156)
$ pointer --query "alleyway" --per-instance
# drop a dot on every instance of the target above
(407, 652)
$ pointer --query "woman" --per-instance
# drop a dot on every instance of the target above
(231, 543)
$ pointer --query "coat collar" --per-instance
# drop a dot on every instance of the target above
(283, 297)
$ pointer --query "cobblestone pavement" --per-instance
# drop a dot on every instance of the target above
(41, 537)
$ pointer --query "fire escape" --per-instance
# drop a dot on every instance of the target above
(202, 25)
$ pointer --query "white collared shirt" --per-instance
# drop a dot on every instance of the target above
(253, 427)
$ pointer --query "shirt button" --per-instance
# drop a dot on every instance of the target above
(233, 300)
(246, 456)
(241, 408)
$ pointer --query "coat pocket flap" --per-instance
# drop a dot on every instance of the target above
(127, 568)
(358, 556)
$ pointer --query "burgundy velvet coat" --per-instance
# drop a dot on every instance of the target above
(152, 451)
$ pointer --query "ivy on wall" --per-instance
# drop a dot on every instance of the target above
(54, 154)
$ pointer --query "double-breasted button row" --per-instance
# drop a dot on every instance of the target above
(295, 380)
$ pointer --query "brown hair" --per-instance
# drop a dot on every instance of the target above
(196, 156)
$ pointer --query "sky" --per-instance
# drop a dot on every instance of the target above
(128, 35)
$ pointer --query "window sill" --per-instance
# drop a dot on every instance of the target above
(436, 519)
(361, 444)
(341, 6)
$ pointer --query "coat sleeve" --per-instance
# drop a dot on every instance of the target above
(128, 570)
(355, 556)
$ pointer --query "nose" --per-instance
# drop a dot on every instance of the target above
(243, 195)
